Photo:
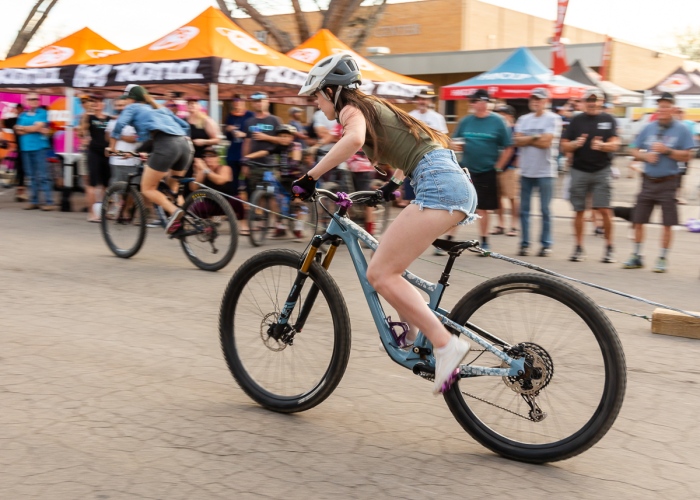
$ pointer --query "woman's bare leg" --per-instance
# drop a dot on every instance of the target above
(149, 188)
(403, 242)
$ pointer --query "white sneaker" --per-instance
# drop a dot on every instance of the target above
(447, 361)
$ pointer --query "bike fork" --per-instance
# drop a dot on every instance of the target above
(299, 284)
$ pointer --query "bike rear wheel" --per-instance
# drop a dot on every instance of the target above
(259, 217)
(209, 229)
(123, 220)
(284, 376)
(577, 375)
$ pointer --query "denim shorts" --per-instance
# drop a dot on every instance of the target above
(441, 184)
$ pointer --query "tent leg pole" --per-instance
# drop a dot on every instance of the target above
(214, 103)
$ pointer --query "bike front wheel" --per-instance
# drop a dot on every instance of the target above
(301, 370)
(123, 221)
(209, 234)
(574, 380)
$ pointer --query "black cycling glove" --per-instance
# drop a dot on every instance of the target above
(304, 187)
(388, 190)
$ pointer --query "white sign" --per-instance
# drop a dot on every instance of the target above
(50, 56)
(176, 40)
(675, 83)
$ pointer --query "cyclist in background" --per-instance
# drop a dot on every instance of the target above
(445, 195)
(209, 171)
(171, 146)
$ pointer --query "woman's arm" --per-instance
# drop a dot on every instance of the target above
(355, 129)
(213, 131)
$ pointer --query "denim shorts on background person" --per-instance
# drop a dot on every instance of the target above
(441, 184)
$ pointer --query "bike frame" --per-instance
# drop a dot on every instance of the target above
(351, 234)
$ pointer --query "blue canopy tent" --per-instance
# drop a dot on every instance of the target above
(515, 78)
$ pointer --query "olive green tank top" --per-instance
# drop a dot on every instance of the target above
(397, 146)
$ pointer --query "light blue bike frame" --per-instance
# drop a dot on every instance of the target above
(351, 234)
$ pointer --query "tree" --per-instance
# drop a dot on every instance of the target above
(337, 14)
(688, 43)
(31, 25)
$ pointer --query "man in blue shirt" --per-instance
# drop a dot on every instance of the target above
(32, 129)
(661, 145)
(487, 146)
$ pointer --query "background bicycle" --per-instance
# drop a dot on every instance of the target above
(545, 379)
(209, 233)
(272, 196)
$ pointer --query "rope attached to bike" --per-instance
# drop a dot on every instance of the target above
(535, 267)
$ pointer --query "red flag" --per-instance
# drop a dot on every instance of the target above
(605, 64)
(559, 64)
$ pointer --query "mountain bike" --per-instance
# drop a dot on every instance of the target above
(270, 196)
(544, 380)
(209, 232)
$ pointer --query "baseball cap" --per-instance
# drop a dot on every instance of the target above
(540, 93)
(480, 95)
(505, 109)
(95, 97)
(666, 96)
(135, 92)
(594, 92)
(426, 94)
(209, 151)
(286, 129)
(258, 96)
(294, 110)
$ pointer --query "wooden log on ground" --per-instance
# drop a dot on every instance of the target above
(666, 322)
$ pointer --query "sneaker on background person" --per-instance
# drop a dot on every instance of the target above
(660, 266)
(634, 262)
(579, 255)
(545, 252)
(609, 256)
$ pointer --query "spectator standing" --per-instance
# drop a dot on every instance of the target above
(679, 114)
(661, 145)
(592, 139)
(260, 132)
(94, 126)
(508, 181)
(32, 130)
(487, 147)
(204, 131)
(300, 135)
(537, 138)
(9, 123)
(128, 142)
(233, 130)
(432, 119)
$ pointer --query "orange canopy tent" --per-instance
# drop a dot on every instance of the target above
(375, 79)
(210, 49)
(53, 65)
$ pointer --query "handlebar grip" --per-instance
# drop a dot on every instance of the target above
(397, 194)
(298, 190)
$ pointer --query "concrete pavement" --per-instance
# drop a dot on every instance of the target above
(112, 384)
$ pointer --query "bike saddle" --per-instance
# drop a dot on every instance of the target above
(455, 245)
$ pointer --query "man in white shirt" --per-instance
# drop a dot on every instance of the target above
(431, 118)
(128, 142)
(537, 138)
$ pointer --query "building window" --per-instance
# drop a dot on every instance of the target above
(261, 36)
(450, 111)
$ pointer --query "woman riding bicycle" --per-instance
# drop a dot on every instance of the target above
(171, 146)
(445, 196)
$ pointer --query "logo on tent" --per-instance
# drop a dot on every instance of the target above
(675, 83)
(50, 56)
(176, 40)
(243, 41)
(305, 55)
(96, 54)
(503, 76)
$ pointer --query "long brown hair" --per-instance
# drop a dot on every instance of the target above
(366, 104)
(148, 99)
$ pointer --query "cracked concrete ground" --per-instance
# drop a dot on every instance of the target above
(112, 385)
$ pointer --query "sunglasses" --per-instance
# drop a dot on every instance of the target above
(32, 98)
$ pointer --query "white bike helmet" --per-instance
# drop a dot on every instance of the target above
(340, 70)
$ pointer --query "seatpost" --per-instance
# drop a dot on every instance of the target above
(445, 276)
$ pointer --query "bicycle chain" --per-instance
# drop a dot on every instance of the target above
(499, 407)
